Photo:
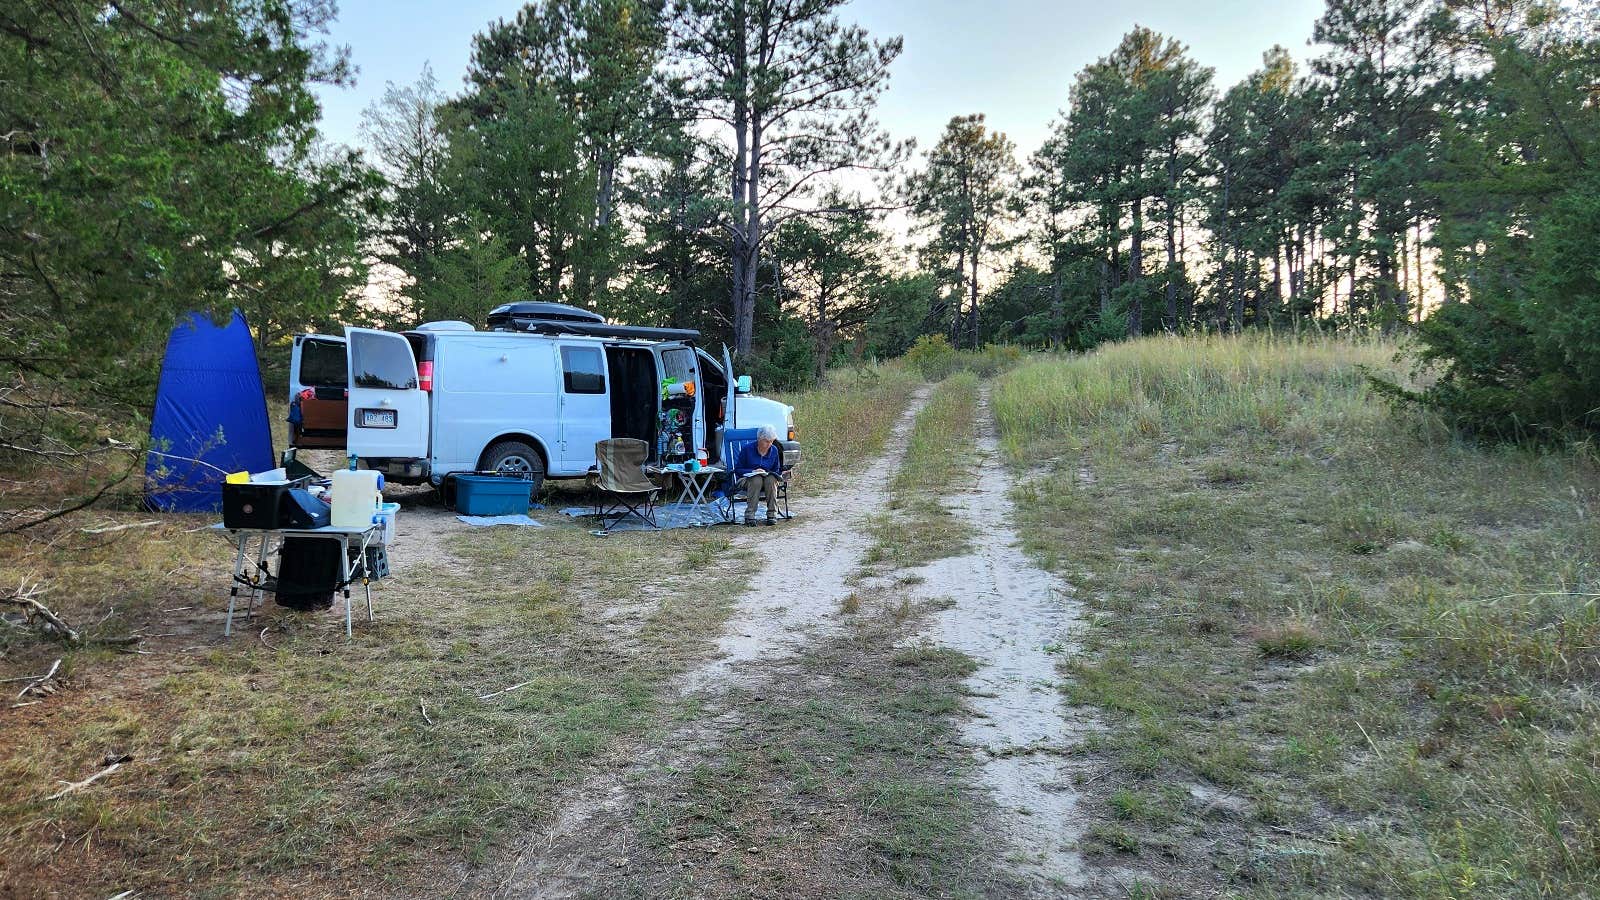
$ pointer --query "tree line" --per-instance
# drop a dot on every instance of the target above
(717, 164)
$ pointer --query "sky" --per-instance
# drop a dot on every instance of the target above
(1013, 60)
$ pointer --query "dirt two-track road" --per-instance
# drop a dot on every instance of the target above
(990, 603)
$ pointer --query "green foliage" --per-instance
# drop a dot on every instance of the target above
(796, 88)
(140, 180)
(785, 360)
(934, 359)
(1127, 147)
(900, 307)
(830, 265)
(470, 276)
(1512, 349)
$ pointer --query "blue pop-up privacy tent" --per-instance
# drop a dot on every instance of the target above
(210, 416)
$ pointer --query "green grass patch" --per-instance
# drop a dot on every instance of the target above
(844, 778)
(918, 525)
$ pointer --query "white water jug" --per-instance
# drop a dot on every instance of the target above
(356, 497)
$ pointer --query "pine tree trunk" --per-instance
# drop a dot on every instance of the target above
(972, 303)
(1058, 312)
(1170, 322)
(1136, 271)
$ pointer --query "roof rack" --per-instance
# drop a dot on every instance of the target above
(596, 329)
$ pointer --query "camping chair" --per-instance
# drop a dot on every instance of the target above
(620, 486)
(733, 492)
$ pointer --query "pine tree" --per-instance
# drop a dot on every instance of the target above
(963, 201)
(796, 89)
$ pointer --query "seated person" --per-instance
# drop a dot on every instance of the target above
(760, 467)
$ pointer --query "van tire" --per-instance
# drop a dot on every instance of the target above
(516, 457)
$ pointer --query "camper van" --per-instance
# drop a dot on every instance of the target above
(531, 395)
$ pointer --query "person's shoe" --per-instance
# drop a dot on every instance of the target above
(750, 523)
(771, 521)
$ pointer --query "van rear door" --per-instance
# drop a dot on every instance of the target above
(318, 378)
(388, 409)
(730, 413)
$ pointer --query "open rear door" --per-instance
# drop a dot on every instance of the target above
(388, 408)
(730, 414)
(318, 377)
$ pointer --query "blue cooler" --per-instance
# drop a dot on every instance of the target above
(488, 495)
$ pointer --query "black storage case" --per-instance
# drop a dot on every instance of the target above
(252, 505)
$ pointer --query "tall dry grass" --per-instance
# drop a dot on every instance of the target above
(1381, 639)
(1309, 391)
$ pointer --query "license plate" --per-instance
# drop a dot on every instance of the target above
(377, 418)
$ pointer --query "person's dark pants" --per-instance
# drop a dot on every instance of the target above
(754, 487)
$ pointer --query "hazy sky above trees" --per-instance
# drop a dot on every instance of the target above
(1010, 59)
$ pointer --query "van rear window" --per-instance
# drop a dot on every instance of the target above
(584, 370)
(322, 364)
(383, 361)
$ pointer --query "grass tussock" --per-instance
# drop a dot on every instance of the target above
(1363, 651)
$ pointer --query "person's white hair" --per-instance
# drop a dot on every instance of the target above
(767, 432)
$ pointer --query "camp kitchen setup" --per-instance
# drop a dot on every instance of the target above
(483, 416)
(327, 534)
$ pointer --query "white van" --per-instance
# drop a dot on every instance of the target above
(532, 396)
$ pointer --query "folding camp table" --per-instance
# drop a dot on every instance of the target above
(692, 486)
(358, 539)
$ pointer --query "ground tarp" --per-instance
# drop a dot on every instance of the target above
(210, 416)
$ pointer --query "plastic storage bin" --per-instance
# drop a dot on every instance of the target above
(487, 495)
(386, 517)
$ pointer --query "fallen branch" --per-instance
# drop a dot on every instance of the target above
(80, 785)
(423, 708)
(37, 614)
(110, 528)
(40, 680)
(263, 638)
(504, 690)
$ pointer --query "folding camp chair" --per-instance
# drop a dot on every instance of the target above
(733, 488)
(620, 486)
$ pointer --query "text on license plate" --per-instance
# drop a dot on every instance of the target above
(377, 418)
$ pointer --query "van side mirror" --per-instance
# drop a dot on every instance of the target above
(742, 384)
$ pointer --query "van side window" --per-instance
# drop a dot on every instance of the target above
(584, 370)
(678, 363)
(382, 361)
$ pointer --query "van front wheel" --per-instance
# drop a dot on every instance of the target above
(516, 458)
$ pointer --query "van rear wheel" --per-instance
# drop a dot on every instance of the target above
(516, 458)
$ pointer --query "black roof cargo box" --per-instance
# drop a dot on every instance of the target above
(510, 315)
